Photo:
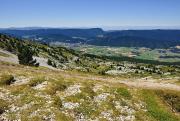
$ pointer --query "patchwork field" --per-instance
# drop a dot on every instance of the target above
(164, 55)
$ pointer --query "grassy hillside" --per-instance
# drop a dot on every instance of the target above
(42, 94)
(68, 59)
(84, 87)
(60, 57)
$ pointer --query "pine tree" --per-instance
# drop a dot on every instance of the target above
(25, 56)
(49, 62)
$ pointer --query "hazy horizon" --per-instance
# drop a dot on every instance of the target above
(102, 27)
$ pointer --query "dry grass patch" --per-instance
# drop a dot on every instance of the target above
(3, 106)
(6, 79)
(38, 80)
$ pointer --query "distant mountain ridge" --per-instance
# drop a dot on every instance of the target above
(97, 36)
(67, 32)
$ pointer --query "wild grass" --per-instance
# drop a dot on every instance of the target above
(21, 89)
(155, 107)
(74, 98)
(123, 92)
(62, 117)
(36, 81)
(88, 91)
(3, 105)
(172, 98)
(6, 79)
(87, 108)
(57, 102)
(178, 82)
(60, 81)
(55, 86)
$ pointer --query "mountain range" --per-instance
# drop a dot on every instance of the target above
(156, 38)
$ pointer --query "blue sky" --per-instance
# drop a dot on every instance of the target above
(89, 13)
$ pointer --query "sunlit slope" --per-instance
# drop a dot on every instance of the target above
(29, 93)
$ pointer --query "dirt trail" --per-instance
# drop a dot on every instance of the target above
(137, 83)
(144, 84)
(152, 85)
